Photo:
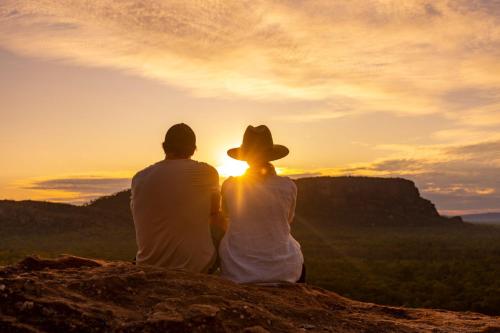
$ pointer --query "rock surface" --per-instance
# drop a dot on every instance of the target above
(72, 294)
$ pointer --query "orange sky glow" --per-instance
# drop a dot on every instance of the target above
(364, 87)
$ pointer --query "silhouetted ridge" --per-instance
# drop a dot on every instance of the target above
(482, 218)
(47, 217)
(118, 203)
(337, 200)
(365, 201)
(41, 216)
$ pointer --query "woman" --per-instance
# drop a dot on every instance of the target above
(259, 207)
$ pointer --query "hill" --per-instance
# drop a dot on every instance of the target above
(47, 217)
(47, 228)
(486, 218)
(366, 201)
(74, 294)
(362, 201)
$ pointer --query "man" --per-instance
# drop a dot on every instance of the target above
(173, 202)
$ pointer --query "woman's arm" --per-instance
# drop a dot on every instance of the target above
(217, 218)
(291, 213)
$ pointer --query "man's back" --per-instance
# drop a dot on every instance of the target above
(171, 206)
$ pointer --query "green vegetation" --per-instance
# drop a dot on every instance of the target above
(449, 267)
(102, 243)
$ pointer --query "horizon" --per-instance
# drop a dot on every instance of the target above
(80, 202)
(365, 88)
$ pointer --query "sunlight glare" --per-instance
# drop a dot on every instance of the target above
(231, 167)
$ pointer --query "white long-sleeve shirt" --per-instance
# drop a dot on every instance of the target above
(258, 246)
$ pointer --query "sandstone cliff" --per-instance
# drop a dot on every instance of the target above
(343, 200)
(72, 294)
(338, 200)
(366, 201)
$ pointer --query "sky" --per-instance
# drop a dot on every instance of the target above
(363, 87)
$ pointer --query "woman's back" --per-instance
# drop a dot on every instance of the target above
(258, 246)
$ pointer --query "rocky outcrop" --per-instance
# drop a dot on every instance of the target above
(343, 200)
(365, 201)
(72, 294)
(339, 200)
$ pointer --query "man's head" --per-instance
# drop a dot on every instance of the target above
(180, 141)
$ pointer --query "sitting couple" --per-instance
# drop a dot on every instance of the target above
(182, 220)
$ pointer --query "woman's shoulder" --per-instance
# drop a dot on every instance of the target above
(287, 182)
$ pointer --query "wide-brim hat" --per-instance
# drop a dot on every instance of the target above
(258, 145)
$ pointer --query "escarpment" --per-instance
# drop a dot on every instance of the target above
(366, 201)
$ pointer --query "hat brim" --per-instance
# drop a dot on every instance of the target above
(277, 152)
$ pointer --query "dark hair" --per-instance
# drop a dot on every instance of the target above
(180, 141)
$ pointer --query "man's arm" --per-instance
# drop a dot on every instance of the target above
(217, 220)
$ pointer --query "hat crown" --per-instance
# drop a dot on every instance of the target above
(257, 138)
(258, 145)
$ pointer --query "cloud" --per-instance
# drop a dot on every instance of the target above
(313, 116)
(410, 166)
(77, 190)
(483, 149)
(405, 57)
(82, 185)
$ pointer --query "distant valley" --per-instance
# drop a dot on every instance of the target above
(486, 218)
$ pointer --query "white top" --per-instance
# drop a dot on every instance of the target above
(258, 246)
(171, 204)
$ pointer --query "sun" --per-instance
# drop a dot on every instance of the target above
(231, 167)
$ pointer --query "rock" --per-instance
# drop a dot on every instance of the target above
(202, 311)
(255, 329)
(174, 301)
(343, 200)
(365, 201)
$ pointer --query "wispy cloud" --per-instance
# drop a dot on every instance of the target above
(77, 190)
(489, 149)
(405, 57)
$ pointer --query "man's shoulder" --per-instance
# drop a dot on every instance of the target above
(206, 168)
(145, 171)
